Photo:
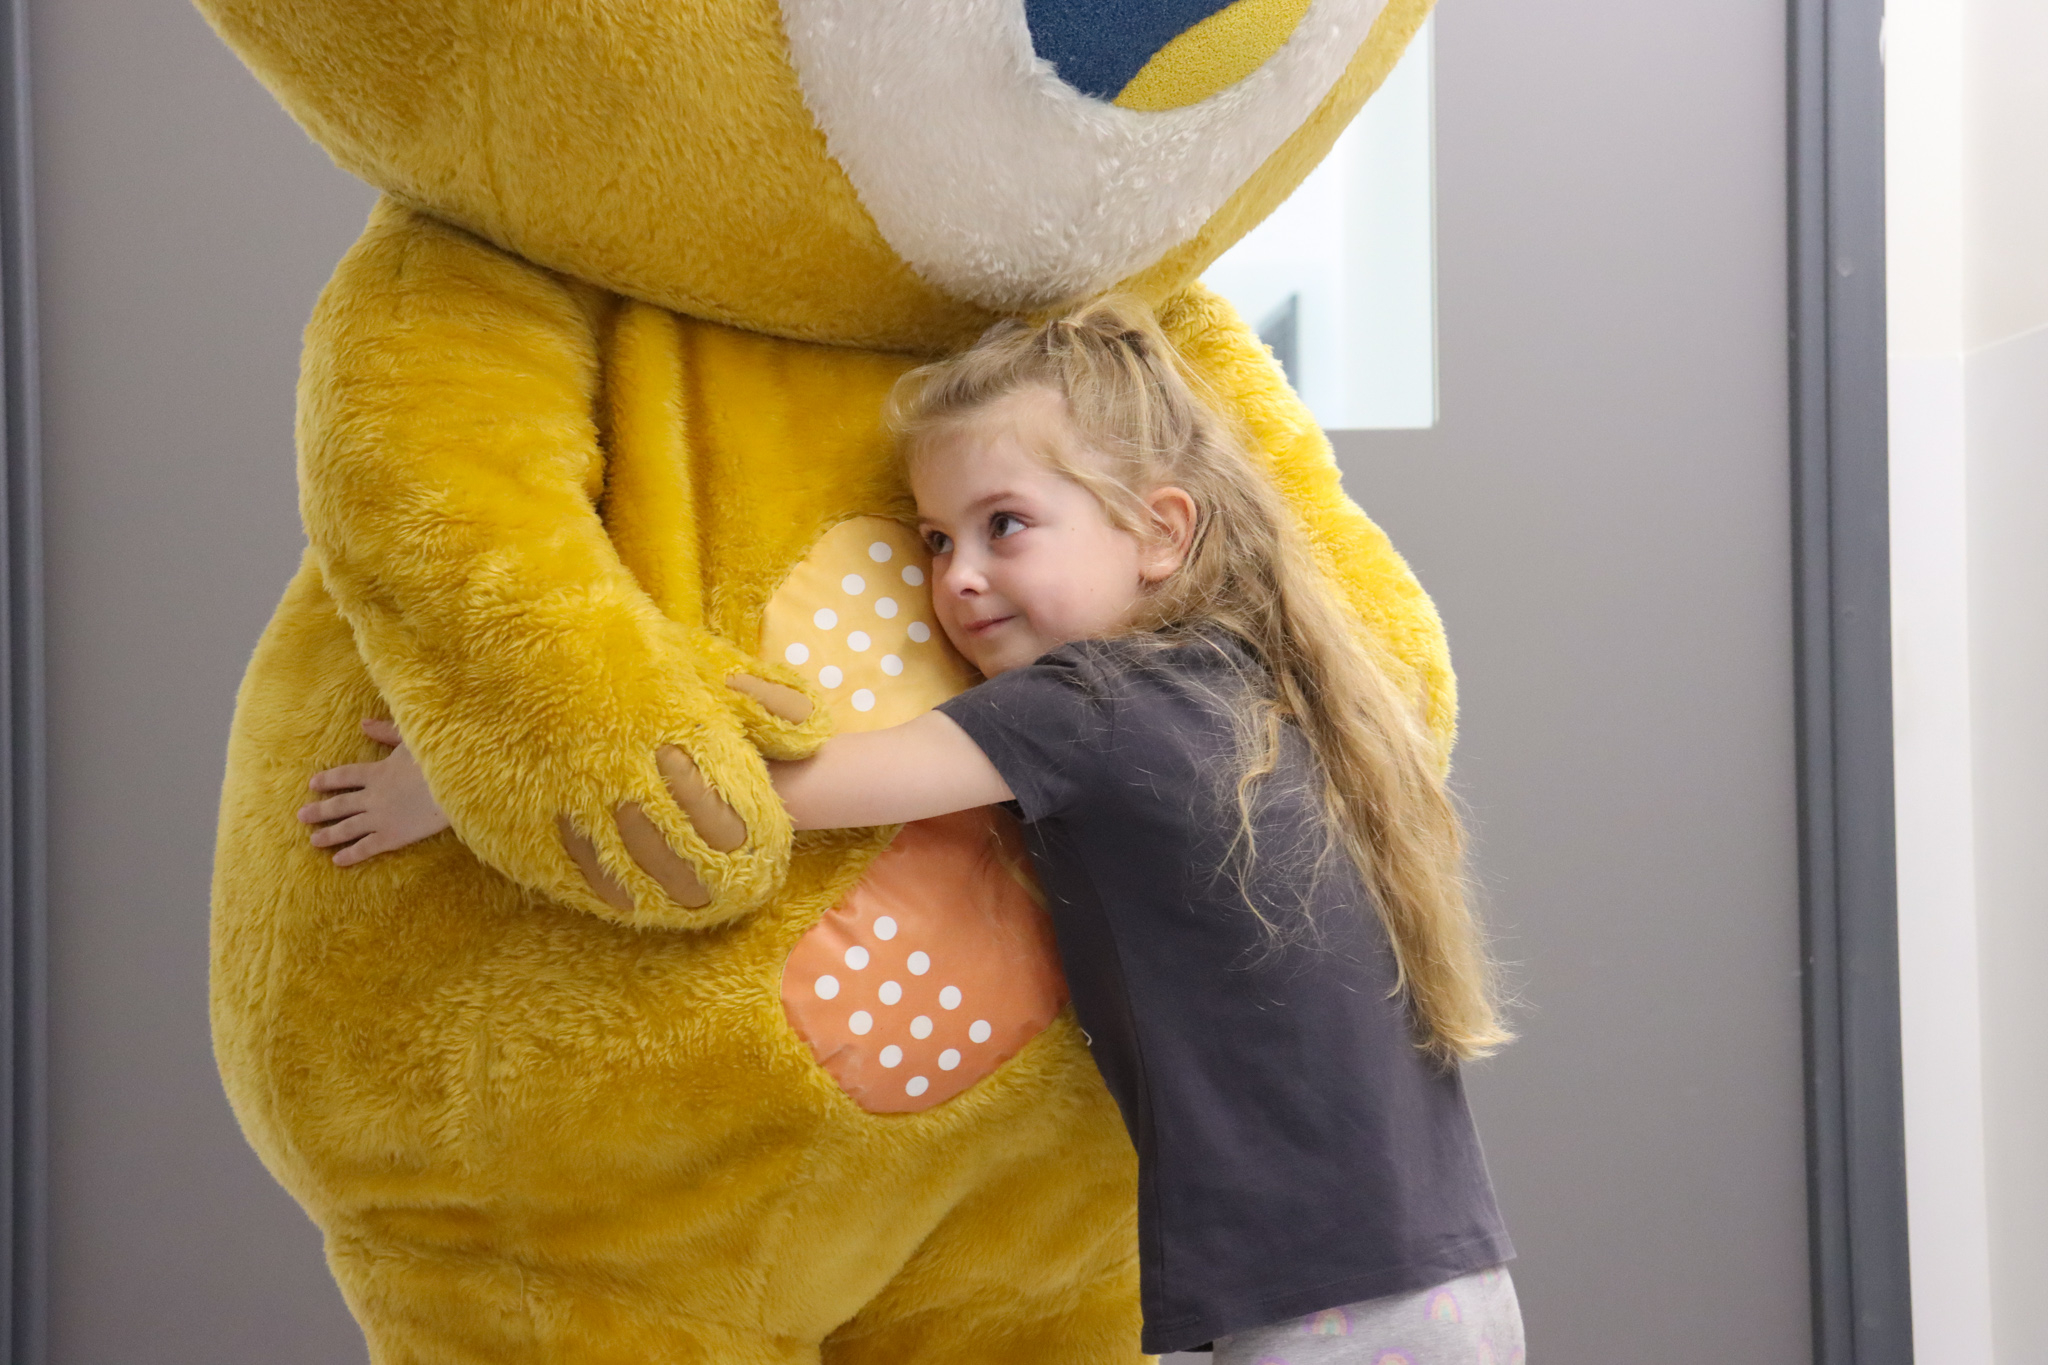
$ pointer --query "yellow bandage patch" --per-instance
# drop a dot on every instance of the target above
(855, 618)
(1213, 55)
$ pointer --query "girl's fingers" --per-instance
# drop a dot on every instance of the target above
(369, 846)
(343, 778)
(334, 808)
(786, 704)
(384, 732)
(344, 832)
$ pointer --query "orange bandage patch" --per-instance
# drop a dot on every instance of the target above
(933, 971)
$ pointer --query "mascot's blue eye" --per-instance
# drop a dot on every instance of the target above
(1098, 45)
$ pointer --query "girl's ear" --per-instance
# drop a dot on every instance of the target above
(1173, 530)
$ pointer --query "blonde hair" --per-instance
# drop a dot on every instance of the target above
(1248, 570)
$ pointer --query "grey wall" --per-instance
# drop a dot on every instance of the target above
(186, 226)
(1601, 516)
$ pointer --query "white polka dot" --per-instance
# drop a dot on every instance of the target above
(949, 1059)
(892, 665)
(949, 998)
(830, 676)
(919, 631)
(885, 928)
(853, 585)
(892, 1055)
(861, 1021)
(920, 963)
(880, 552)
(858, 642)
(827, 987)
(863, 700)
(979, 1031)
(856, 957)
(886, 608)
(890, 993)
(798, 653)
(916, 1085)
(824, 618)
(912, 575)
(921, 1027)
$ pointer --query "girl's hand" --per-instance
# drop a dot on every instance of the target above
(379, 806)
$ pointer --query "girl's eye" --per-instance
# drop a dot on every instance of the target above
(937, 542)
(1002, 524)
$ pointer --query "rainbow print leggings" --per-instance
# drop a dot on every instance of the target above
(1470, 1321)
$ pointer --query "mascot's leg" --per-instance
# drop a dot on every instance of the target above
(1090, 1325)
(1039, 1266)
(450, 1310)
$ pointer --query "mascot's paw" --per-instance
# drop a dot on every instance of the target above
(706, 832)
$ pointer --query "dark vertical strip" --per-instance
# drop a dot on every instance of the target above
(22, 830)
(1856, 1123)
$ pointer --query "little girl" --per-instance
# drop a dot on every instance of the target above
(1241, 826)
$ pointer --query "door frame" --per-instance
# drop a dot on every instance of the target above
(24, 1050)
(1855, 1105)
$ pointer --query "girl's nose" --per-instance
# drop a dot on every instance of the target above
(962, 577)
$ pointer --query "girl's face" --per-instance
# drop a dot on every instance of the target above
(1023, 558)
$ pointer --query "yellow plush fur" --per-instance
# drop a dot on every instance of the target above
(603, 367)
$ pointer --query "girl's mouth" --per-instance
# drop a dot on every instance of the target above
(987, 624)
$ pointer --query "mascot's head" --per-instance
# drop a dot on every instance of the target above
(886, 173)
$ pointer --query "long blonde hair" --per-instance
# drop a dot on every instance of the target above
(1249, 570)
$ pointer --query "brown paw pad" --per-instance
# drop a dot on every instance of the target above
(583, 853)
(650, 849)
(717, 824)
(932, 972)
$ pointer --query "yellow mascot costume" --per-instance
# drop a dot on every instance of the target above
(601, 510)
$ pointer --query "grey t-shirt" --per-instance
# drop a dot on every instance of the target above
(1296, 1151)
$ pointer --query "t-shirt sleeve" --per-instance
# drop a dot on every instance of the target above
(1044, 726)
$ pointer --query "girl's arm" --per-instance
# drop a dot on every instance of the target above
(921, 768)
(912, 771)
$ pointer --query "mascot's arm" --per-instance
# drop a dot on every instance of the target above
(450, 468)
(1371, 573)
